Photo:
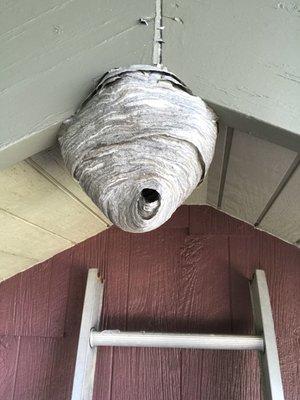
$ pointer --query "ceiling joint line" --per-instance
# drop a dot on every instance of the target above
(292, 168)
(225, 161)
(54, 182)
(33, 224)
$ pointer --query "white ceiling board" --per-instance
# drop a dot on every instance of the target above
(41, 214)
(23, 244)
(254, 171)
(199, 195)
(283, 218)
(27, 194)
(12, 264)
(51, 53)
(242, 56)
(50, 161)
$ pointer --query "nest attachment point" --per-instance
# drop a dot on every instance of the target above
(139, 145)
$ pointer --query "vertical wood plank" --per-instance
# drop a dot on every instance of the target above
(207, 220)
(289, 356)
(159, 281)
(255, 169)
(244, 259)
(153, 285)
(63, 365)
(283, 218)
(58, 293)
(281, 262)
(34, 303)
(9, 290)
(34, 369)
(244, 366)
(61, 379)
(204, 307)
(179, 220)
(9, 352)
(115, 267)
(204, 302)
(33, 300)
(116, 277)
(152, 306)
(41, 303)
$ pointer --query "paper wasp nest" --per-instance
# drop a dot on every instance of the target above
(139, 145)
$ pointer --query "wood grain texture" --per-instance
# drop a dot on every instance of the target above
(207, 220)
(33, 373)
(289, 355)
(114, 314)
(283, 218)
(255, 169)
(62, 366)
(180, 219)
(39, 216)
(152, 298)
(9, 353)
(243, 366)
(262, 80)
(281, 262)
(14, 263)
(199, 195)
(21, 245)
(165, 280)
(204, 304)
(153, 285)
(244, 259)
(199, 255)
(42, 44)
(9, 291)
(27, 194)
(33, 303)
(52, 163)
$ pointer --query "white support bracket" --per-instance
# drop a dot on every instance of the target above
(264, 340)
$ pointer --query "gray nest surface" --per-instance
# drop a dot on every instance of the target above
(139, 145)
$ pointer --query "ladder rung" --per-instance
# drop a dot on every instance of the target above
(176, 340)
(90, 338)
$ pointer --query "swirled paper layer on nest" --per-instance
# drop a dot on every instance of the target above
(139, 146)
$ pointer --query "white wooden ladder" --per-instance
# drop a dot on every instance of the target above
(264, 340)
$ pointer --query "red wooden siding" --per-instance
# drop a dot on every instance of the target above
(188, 276)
